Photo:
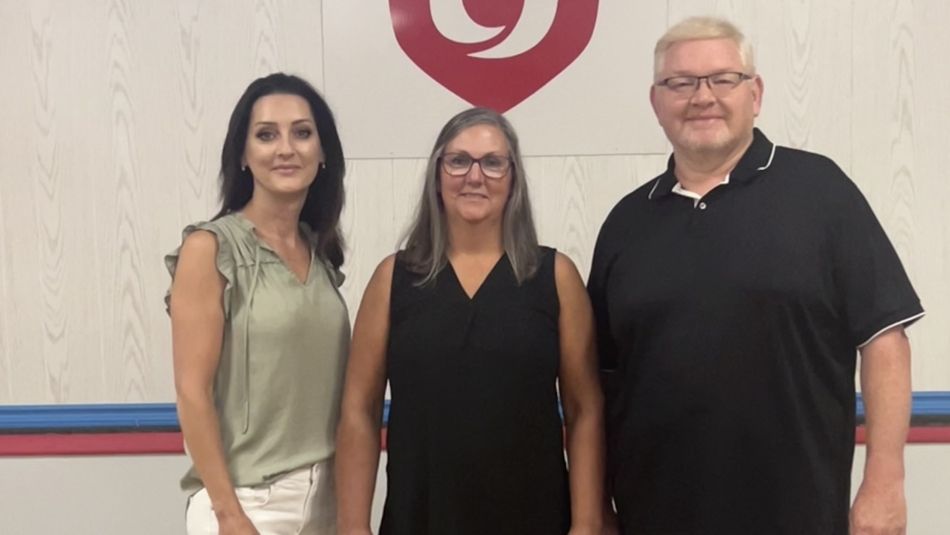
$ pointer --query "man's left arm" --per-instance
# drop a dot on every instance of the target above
(880, 507)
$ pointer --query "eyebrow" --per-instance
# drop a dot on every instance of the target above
(712, 72)
(295, 123)
(465, 152)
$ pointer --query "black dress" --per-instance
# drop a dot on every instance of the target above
(474, 440)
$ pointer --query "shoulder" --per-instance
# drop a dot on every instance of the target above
(383, 274)
(638, 196)
(572, 296)
(201, 242)
(199, 246)
(562, 262)
(386, 266)
(200, 255)
(566, 274)
(629, 215)
(810, 168)
(217, 232)
(802, 159)
(205, 244)
(624, 213)
(817, 180)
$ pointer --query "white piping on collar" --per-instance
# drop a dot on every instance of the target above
(763, 168)
(768, 163)
(658, 179)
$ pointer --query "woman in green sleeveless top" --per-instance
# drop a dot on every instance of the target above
(259, 330)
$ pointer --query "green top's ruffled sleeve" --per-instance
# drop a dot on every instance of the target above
(224, 262)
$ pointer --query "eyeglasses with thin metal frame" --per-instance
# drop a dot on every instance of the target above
(720, 83)
(492, 165)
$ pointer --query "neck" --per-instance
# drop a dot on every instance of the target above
(701, 171)
(482, 239)
(279, 220)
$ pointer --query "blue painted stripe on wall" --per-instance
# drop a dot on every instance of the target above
(69, 417)
(162, 416)
(924, 404)
(95, 417)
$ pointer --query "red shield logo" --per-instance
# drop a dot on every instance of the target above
(493, 53)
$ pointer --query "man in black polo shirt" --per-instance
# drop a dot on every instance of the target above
(732, 294)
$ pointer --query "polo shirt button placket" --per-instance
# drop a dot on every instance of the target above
(702, 206)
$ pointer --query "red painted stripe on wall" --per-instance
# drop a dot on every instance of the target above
(91, 444)
(917, 435)
(171, 443)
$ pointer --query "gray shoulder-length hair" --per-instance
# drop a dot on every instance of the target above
(426, 242)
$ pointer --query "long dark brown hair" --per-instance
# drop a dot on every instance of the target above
(321, 209)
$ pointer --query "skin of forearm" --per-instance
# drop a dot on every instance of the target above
(585, 443)
(358, 444)
(199, 425)
(886, 389)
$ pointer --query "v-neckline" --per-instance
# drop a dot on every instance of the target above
(309, 274)
(264, 245)
(286, 266)
(478, 289)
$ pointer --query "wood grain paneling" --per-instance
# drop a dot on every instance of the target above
(14, 194)
(901, 157)
(369, 196)
(381, 201)
(116, 119)
(128, 346)
(571, 197)
(47, 174)
(931, 264)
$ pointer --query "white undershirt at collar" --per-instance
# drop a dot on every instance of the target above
(680, 190)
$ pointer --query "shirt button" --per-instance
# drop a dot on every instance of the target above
(702, 206)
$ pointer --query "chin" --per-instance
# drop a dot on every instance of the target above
(474, 218)
(707, 141)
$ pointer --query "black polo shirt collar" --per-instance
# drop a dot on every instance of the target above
(757, 158)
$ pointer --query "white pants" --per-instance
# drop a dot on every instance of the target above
(302, 502)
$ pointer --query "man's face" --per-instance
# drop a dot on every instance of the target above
(704, 122)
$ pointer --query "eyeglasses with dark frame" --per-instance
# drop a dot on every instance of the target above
(460, 163)
(720, 83)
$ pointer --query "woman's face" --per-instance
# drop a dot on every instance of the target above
(480, 194)
(282, 148)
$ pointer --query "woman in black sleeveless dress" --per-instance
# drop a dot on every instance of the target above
(475, 326)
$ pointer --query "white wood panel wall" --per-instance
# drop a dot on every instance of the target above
(114, 112)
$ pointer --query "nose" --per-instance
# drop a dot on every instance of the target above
(473, 175)
(703, 93)
(285, 146)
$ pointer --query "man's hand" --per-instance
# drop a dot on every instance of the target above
(879, 509)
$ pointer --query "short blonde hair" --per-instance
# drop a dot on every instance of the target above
(695, 28)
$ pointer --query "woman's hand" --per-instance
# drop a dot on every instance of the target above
(585, 530)
(238, 524)
(355, 532)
